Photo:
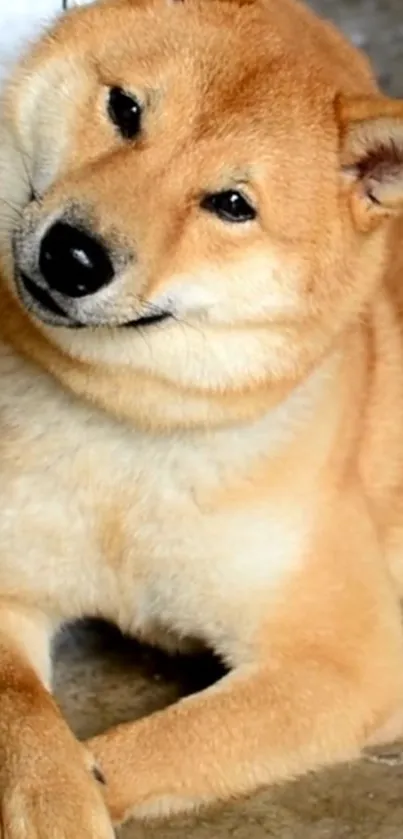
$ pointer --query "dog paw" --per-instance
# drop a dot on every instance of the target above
(57, 795)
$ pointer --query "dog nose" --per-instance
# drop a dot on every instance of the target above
(73, 262)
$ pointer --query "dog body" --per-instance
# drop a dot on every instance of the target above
(168, 526)
(202, 397)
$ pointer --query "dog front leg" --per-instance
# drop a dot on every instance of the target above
(46, 783)
(259, 725)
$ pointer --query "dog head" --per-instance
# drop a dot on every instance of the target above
(201, 192)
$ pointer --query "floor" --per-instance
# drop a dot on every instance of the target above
(101, 680)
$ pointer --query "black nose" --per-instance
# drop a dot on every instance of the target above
(73, 262)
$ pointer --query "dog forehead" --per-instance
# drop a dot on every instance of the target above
(219, 65)
(133, 28)
(241, 60)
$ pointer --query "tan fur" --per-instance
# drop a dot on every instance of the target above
(233, 476)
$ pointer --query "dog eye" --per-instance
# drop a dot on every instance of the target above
(125, 112)
(229, 206)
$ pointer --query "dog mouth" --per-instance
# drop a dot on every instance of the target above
(41, 296)
(147, 320)
(51, 312)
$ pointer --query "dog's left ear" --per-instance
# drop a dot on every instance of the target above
(371, 136)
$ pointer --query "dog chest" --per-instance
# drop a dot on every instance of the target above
(98, 519)
(200, 569)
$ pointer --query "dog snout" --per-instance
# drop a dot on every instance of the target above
(73, 261)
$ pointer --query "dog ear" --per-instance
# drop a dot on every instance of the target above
(371, 133)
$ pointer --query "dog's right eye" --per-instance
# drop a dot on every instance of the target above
(125, 112)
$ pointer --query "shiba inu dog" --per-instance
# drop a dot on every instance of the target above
(201, 401)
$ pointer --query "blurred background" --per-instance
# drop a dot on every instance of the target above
(377, 27)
